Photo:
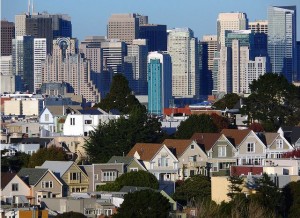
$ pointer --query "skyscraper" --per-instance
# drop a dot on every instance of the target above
(282, 41)
(159, 82)
(124, 27)
(230, 21)
(259, 26)
(67, 65)
(183, 49)
(136, 66)
(156, 35)
(39, 56)
(7, 34)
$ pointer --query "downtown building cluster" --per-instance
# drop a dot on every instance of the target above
(168, 66)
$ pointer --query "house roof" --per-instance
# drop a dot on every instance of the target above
(145, 150)
(180, 145)
(206, 139)
(32, 175)
(6, 178)
(236, 136)
(270, 137)
(120, 159)
(59, 167)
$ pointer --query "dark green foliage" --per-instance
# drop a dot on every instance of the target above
(14, 163)
(71, 214)
(291, 199)
(52, 153)
(235, 186)
(143, 204)
(117, 137)
(195, 123)
(119, 96)
(228, 101)
(273, 102)
(195, 188)
(139, 179)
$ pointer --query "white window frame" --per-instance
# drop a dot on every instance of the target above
(222, 151)
(249, 149)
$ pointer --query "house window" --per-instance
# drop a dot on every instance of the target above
(74, 176)
(222, 151)
(47, 184)
(109, 176)
(279, 144)
(88, 122)
(46, 117)
(250, 147)
(15, 187)
(72, 121)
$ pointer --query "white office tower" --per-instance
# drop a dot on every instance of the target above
(182, 47)
(254, 69)
(136, 66)
(39, 56)
(66, 65)
(230, 21)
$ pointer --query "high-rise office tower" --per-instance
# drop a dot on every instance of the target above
(39, 56)
(124, 27)
(67, 65)
(91, 48)
(156, 35)
(136, 66)
(22, 59)
(230, 21)
(159, 82)
(7, 34)
(282, 40)
(183, 49)
(113, 53)
(259, 26)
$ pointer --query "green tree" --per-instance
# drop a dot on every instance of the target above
(71, 214)
(235, 186)
(273, 102)
(143, 204)
(52, 153)
(291, 199)
(117, 137)
(139, 179)
(228, 101)
(195, 123)
(195, 188)
(119, 96)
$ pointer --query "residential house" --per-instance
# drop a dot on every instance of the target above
(276, 145)
(220, 151)
(43, 183)
(68, 171)
(14, 190)
(130, 163)
(159, 161)
(250, 149)
(100, 174)
(192, 159)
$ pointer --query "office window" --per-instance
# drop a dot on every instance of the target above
(15, 187)
(251, 147)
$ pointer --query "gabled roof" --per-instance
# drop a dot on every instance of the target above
(59, 167)
(6, 178)
(206, 140)
(180, 145)
(120, 159)
(236, 136)
(145, 150)
(32, 175)
(270, 137)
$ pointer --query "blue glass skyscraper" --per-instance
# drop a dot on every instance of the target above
(282, 41)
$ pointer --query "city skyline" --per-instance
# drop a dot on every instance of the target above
(178, 14)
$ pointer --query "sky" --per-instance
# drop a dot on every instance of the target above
(90, 17)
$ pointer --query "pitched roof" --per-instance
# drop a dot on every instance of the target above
(6, 178)
(145, 150)
(32, 175)
(270, 137)
(180, 145)
(207, 140)
(236, 136)
(120, 159)
(59, 167)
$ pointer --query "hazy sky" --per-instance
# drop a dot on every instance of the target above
(89, 17)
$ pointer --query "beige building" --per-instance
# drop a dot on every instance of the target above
(259, 26)
(124, 27)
